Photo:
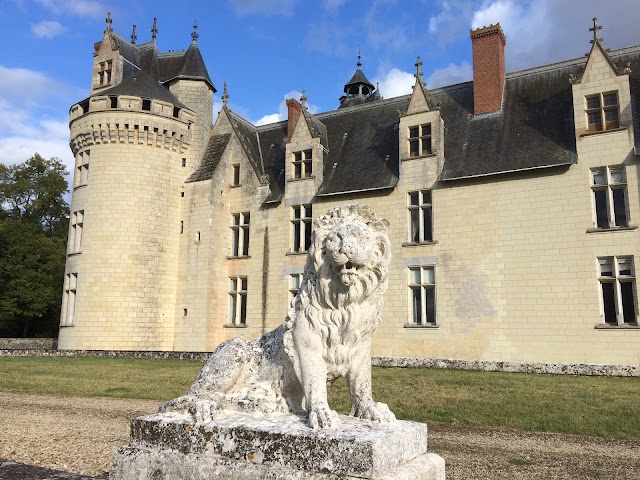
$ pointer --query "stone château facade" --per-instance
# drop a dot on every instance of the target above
(513, 201)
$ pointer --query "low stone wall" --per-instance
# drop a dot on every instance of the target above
(28, 343)
(585, 369)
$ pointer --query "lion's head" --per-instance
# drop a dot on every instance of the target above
(350, 252)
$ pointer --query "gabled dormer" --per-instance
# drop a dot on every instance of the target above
(421, 134)
(306, 148)
(601, 93)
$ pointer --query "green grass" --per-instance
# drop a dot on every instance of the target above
(599, 406)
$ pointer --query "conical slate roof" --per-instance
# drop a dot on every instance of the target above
(358, 79)
(187, 65)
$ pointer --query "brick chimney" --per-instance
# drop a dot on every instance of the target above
(293, 112)
(488, 68)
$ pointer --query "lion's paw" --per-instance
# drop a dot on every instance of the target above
(321, 416)
(376, 412)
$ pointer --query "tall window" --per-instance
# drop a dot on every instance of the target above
(104, 74)
(617, 289)
(609, 188)
(603, 111)
(295, 281)
(420, 140)
(238, 301)
(82, 169)
(75, 238)
(422, 291)
(235, 175)
(69, 300)
(302, 164)
(301, 223)
(420, 218)
(240, 234)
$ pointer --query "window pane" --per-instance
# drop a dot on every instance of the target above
(414, 215)
(243, 309)
(307, 154)
(617, 175)
(426, 129)
(428, 276)
(602, 217)
(426, 222)
(610, 98)
(297, 170)
(245, 241)
(232, 308)
(232, 284)
(413, 148)
(296, 237)
(243, 284)
(593, 102)
(426, 146)
(414, 276)
(599, 177)
(307, 235)
(606, 267)
(307, 169)
(624, 266)
(246, 217)
(619, 209)
(611, 118)
(431, 305)
(426, 196)
(295, 281)
(235, 243)
(296, 212)
(416, 306)
(608, 303)
(628, 307)
(595, 121)
(413, 132)
(236, 219)
(413, 198)
(307, 211)
(298, 156)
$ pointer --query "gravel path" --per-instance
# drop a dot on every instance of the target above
(78, 435)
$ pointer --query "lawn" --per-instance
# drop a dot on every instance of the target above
(598, 406)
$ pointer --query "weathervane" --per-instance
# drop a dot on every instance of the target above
(154, 30)
(225, 95)
(595, 29)
(359, 64)
(134, 37)
(108, 22)
(194, 35)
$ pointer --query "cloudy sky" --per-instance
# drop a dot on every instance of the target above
(269, 50)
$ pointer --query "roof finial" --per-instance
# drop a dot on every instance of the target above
(154, 30)
(134, 37)
(418, 73)
(225, 95)
(303, 100)
(359, 64)
(194, 35)
(108, 22)
(595, 29)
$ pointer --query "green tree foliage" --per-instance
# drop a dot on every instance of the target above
(33, 228)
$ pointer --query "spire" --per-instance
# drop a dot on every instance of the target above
(595, 29)
(108, 22)
(359, 64)
(225, 95)
(134, 37)
(303, 100)
(358, 85)
(154, 30)
(194, 35)
(418, 73)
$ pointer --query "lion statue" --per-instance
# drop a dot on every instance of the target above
(327, 334)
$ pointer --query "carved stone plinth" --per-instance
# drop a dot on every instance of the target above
(241, 446)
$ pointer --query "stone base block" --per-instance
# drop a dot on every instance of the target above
(172, 446)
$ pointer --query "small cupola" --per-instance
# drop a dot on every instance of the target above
(358, 89)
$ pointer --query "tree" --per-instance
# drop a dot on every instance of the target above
(33, 229)
(33, 191)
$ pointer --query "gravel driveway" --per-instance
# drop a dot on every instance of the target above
(79, 434)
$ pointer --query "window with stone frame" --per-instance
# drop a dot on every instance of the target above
(237, 301)
(295, 282)
(75, 236)
(104, 73)
(609, 187)
(301, 228)
(420, 140)
(69, 299)
(422, 295)
(235, 175)
(240, 234)
(616, 276)
(302, 164)
(81, 177)
(420, 216)
(603, 111)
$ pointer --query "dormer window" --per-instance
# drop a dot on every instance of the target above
(302, 165)
(420, 140)
(603, 112)
(104, 74)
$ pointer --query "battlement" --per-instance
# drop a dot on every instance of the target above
(101, 103)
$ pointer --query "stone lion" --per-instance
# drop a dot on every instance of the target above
(327, 334)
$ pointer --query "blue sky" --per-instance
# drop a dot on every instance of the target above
(269, 50)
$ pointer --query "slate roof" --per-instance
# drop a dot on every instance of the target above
(186, 65)
(358, 77)
(211, 158)
(141, 85)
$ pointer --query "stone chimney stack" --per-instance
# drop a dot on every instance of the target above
(293, 113)
(488, 68)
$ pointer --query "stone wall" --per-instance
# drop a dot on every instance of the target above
(28, 343)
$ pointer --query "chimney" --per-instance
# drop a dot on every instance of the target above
(488, 68)
(293, 112)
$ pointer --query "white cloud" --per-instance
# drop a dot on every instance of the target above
(88, 8)
(444, 17)
(395, 83)
(47, 29)
(264, 7)
(450, 75)
(283, 112)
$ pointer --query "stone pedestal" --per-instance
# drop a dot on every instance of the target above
(240, 446)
